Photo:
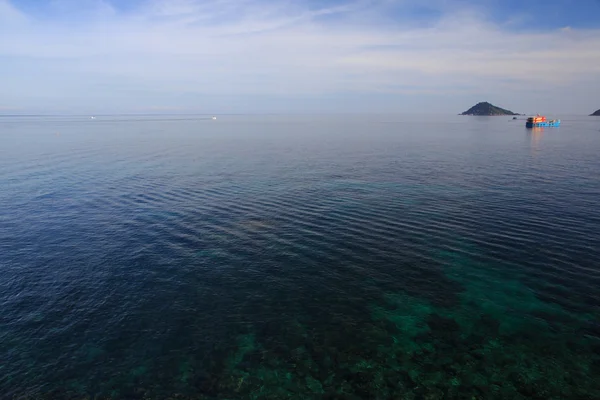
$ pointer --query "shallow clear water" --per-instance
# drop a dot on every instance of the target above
(272, 257)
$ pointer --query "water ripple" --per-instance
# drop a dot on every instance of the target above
(148, 257)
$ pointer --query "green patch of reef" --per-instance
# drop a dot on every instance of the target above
(499, 341)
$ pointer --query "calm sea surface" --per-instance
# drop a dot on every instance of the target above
(323, 257)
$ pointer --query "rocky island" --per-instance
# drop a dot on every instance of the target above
(485, 108)
(596, 114)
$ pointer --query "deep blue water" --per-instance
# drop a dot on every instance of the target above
(271, 257)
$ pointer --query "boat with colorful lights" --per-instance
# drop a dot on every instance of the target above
(541, 121)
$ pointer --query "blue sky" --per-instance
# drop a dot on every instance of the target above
(257, 56)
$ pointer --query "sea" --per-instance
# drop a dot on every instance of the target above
(299, 257)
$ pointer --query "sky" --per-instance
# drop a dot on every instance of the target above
(298, 56)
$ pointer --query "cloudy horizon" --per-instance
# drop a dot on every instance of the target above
(252, 56)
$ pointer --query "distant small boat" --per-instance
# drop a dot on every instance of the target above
(214, 117)
(92, 117)
(540, 121)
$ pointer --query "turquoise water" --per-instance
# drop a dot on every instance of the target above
(299, 257)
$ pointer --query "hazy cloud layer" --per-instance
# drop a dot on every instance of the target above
(249, 56)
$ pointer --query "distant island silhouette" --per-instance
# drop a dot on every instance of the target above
(596, 114)
(485, 108)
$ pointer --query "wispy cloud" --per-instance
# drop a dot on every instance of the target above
(9, 15)
(183, 51)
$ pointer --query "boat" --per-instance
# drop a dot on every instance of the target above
(214, 117)
(541, 121)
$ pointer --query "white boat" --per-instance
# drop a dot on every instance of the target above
(214, 117)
